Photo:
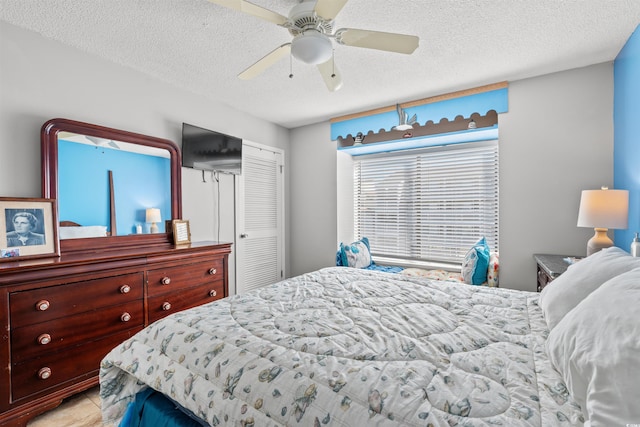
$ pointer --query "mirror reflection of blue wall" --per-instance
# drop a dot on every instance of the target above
(140, 181)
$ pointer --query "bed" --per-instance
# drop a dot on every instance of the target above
(351, 347)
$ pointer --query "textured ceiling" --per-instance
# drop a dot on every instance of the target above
(201, 47)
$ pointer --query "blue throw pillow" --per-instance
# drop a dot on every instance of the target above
(357, 254)
(476, 263)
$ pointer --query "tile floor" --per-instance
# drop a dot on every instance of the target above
(81, 410)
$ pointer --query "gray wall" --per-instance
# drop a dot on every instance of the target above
(41, 79)
(313, 198)
(555, 141)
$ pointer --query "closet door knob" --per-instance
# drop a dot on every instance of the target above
(165, 280)
(42, 305)
(44, 373)
(212, 293)
(125, 317)
(44, 339)
(166, 306)
(213, 271)
(125, 289)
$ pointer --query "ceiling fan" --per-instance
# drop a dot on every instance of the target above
(311, 25)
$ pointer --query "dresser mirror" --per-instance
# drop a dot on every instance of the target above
(113, 187)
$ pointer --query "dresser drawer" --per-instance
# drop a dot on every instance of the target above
(57, 368)
(42, 338)
(163, 305)
(45, 304)
(171, 279)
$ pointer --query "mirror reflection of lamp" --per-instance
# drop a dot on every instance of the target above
(153, 216)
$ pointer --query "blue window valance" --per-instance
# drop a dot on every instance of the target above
(427, 112)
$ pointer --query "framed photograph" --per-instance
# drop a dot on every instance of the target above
(28, 229)
(181, 231)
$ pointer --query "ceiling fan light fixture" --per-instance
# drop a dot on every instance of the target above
(312, 47)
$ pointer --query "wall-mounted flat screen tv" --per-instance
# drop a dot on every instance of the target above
(208, 150)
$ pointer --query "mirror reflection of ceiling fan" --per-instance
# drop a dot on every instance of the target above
(101, 142)
(311, 25)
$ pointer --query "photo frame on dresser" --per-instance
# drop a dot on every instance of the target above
(181, 231)
(28, 228)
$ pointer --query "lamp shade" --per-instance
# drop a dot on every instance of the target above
(604, 209)
(153, 215)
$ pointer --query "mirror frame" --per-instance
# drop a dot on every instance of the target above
(49, 146)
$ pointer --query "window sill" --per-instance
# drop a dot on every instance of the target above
(407, 263)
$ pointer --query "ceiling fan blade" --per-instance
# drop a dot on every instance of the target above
(331, 75)
(252, 9)
(391, 42)
(267, 61)
(328, 9)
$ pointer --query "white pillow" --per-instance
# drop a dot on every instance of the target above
(582, 278)
(596, 348)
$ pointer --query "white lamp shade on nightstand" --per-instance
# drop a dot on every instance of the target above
(153, 216)
(601, 210)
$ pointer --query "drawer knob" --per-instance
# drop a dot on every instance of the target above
(213, 271)
(212, 293)
(165, 280)
(166, 306)
(125, 317)
(44, 373)
(125, 289)
(44, 339)
(42, 305)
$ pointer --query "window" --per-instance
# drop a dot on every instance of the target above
(428, 205)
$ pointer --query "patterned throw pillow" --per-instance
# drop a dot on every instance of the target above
(494, 269)
(476, 263)
(356, 255)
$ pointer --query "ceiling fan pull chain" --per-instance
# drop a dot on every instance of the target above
(290, 66)
(333, 63)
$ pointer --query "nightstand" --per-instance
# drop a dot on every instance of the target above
(550, 267)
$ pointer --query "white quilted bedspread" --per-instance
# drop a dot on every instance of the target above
(348, 347)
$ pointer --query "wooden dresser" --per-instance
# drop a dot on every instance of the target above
(60, 316)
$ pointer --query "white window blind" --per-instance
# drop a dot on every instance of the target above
(428, 205)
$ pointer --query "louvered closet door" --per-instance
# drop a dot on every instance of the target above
(259, 242)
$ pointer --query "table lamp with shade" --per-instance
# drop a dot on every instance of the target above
(153, 216)
(603, 209)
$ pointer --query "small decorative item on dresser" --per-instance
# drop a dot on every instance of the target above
(28, 228)
(181, 231)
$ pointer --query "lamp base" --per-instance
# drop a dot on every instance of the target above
(599, 241)
(153, 228)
